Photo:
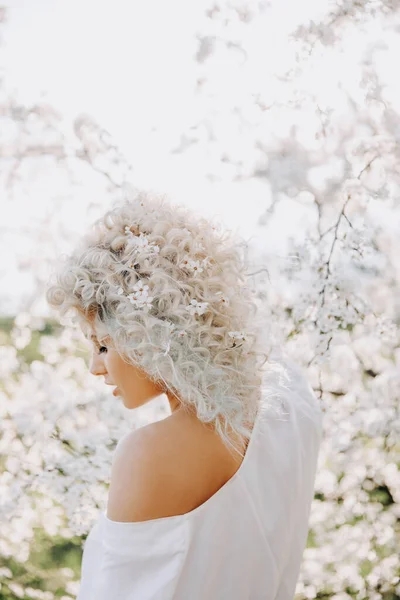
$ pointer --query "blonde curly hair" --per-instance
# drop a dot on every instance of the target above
(168, 288)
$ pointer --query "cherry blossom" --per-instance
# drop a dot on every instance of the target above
(197, 308)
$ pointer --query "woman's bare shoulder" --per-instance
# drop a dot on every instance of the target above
(167, 468)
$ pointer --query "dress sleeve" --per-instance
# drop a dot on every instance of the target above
(141, 560)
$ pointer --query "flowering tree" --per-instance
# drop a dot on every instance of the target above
(325, 149)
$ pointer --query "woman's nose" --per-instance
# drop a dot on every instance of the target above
(96, 365)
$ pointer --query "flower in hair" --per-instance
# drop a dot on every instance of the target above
(172, 329)
(140, 297)
(223, 299)
(192, 265)
(196, 307)
(237, 335)
(131, 230)
(138, 242)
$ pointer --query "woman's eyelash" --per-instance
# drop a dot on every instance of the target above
(101, 348)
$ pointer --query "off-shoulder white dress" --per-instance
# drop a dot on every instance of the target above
(245, 542)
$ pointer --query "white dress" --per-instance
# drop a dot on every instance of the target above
(245, 542)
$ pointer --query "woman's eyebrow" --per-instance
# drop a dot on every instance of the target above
(90, 337)
(95, 338)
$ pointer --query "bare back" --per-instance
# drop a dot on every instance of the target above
(200, 463)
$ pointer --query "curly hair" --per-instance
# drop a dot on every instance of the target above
(169, 289)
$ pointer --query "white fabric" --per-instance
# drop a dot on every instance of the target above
(245, 542)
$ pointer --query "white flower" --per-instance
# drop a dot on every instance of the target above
(120, 291)
(140, 296)
(131, 230)
(184, 264)
(195, 266)
(139, 302)
(138, 242)
(197, 307)
(191, 265)
(237, 335)
(147, 303)
(141, 287)
(223, 299)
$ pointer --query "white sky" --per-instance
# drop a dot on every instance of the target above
(97, 56)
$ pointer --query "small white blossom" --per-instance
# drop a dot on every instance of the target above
(223, 299)
(131, 230)
(237, 335)
(184, 264)
(138, 302)
(140, 296)
(141, 287)
(138, 242)
(191, 265)
(197, 307)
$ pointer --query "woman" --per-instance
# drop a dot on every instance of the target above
(213, 501)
